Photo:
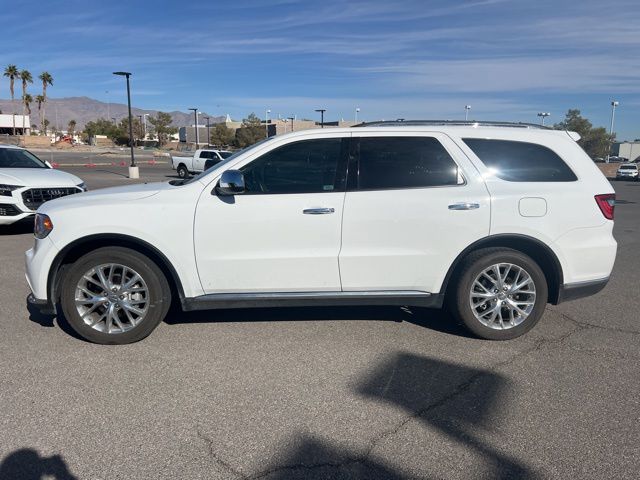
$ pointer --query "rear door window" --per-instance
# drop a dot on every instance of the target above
(521, 161)
(404, 162)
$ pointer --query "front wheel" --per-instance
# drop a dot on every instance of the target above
(114, 295)
(500, 293)
(182, 171)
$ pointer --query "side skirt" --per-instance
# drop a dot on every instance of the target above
(312, 299)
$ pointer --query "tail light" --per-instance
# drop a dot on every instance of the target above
(607, 203)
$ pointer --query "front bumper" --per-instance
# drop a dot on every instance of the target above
(574, 291)
(46, 307)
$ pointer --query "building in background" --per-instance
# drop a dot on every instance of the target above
(9, 121)
(630, 150)
(275, 126)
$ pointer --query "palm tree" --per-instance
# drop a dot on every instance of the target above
(71, 128)
(40, 99)
(11, 72)
(47, 79)
(25, 76)
(28, 100)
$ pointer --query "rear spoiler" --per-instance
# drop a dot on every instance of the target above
(573, 135)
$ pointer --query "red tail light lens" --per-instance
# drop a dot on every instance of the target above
(607, 203)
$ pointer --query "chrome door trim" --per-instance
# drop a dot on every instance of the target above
(464, 206)
(318, 211)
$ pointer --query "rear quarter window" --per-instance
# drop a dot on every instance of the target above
(515, 161)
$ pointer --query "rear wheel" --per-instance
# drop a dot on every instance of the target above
(114, 295)
(500, 293)
(182, 171)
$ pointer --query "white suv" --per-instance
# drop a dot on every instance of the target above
(26, 182)
(492, 220)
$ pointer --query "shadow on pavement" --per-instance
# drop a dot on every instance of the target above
(455, 400)
(21, 227)
(27, 464)
(51, 320)
(433, 319)
(317, 460)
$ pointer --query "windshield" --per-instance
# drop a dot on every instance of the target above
(15, 158)
(225, 154)
(230, 157)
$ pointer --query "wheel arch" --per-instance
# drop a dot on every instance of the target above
(81, 246)
(540, 252)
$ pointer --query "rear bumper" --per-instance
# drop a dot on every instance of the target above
(573, 291)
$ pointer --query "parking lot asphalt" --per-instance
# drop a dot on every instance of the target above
(345, 393)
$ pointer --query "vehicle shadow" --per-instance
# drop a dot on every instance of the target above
(49, 321)
(21, 227)
(433, 319)
(27, 464)
(455, 400)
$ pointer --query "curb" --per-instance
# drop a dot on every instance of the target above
(108, 164)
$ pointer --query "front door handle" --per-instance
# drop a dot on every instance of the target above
(318, 211)
(464, 206)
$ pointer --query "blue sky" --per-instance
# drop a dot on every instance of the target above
(508, 59)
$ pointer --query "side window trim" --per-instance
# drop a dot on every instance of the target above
(353, 179)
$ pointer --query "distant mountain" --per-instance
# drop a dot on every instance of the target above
(85, 109)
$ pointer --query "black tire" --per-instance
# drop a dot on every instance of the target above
(159, 294)
(458, 298)
(182, 171)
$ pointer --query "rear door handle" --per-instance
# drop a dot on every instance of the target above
(318, 211)
(464, 206)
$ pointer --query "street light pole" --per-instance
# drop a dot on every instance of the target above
(208, 132)
(195, 115)
(356, 118)
(144, 118)
(614, 104)
(292, 119)
(321, 110)
(140, 117)
(266, 121)
(133, 170)
(542, 116)
(466, 112)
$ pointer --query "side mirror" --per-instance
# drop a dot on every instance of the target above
(231, 183)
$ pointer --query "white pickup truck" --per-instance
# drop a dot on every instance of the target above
(202, 160)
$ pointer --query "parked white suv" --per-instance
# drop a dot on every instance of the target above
(495, 221)
(26, 182)
(628, 171)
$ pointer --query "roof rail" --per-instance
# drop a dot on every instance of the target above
(469, 123)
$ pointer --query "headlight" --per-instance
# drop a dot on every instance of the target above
(5, 190)
(42, 226)
(82, 186)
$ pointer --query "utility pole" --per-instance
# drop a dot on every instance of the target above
(266, 123)
(208, 132)
(614, 104)
(321, 110)
(133, 169)
(195, 115)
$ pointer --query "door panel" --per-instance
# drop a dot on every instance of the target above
(406, 238)
(265, 243)
(283, 233)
